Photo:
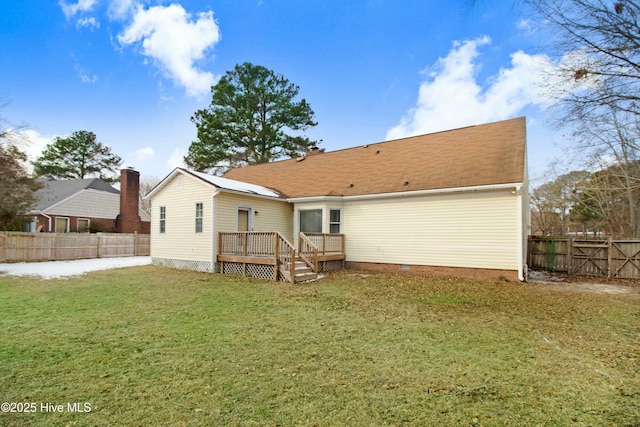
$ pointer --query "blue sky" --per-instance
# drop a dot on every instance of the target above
(134, 71)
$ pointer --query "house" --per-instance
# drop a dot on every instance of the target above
(83, 205)
(452, 202)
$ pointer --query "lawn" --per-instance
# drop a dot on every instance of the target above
(152, 346)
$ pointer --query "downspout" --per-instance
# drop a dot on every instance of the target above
(521, 247)
(214, 246)
(48, 217)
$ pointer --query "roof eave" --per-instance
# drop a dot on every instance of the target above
(516, 186)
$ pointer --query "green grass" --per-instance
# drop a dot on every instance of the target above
(151, 346)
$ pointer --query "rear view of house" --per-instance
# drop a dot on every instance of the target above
(453, 202)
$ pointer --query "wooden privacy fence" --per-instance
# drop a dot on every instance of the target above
(604, 257)
(19, 247)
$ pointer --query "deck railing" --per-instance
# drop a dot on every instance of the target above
(286, 256)
(248, 243)
(308, 252)
(273, 251)
(327, 243)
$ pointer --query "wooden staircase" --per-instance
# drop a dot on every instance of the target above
(273, 257)
(303, 272)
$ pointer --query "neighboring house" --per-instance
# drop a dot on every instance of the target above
(90, 205)
(453, 202)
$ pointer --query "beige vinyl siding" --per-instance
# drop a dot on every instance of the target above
(273, 215)
(472, 229)
(180, 240)
(89, 204)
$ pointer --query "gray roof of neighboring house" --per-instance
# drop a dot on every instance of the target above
(54, 191)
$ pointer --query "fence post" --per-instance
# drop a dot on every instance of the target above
(570, 251)
(135, 243)
(609, 256)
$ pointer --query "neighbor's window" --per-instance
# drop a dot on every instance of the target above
(199, 211)
(311, 221)
(83, 225)
(62, 225)
(335, 220)
(163, 219)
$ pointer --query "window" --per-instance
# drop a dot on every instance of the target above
(163, 219)
(83, 225)
(199, 215)
(62, 225)
(311, 221)
(335, 220)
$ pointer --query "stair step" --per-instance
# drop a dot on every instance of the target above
(305, 277)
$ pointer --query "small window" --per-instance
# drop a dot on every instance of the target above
(83, 225)
(311, 221)
(163, 219)
(62, 225)
(199, 215)
(335, 221)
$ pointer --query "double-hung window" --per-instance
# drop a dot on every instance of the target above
(199, 216)
(163, 219)
(335, 221)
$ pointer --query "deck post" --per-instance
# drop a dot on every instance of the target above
(292, 265)
(275, 252)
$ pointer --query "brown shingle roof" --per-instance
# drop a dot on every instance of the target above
(492, 153)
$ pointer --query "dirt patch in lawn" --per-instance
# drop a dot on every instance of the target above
(570, 282)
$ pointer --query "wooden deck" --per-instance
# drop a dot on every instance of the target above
(270, 255)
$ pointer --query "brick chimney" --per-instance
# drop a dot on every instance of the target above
(128, 220)
(314, 151)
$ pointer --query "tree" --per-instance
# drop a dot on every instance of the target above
(77, 156)
(600, 43)
(251, 119)
(553, 202)
(599, 102)
(17, 188)
(145, 188)
(608, 199)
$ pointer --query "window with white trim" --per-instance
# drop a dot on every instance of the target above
(163, 219)
(199, 216)
(335, 221)
(311, 221)
(83, 225)
(62, 225)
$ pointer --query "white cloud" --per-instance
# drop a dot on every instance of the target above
(143, 153)
(86, 78)
(451, 97)
(32, 143)
(70, 9)
(121, 9)
(174, 41)
(90, 23)
(176, 159)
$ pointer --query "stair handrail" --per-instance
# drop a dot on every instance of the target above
(286, 255)
(308, 251)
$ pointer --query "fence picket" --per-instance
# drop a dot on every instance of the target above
(26, 247)
(604, 257)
